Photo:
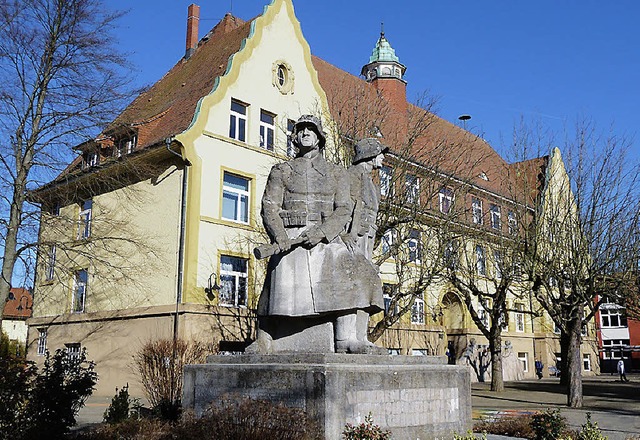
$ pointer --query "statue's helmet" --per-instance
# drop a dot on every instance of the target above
(309, 121)
(367, 149)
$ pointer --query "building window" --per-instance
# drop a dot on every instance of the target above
(484, 316)
(267, 129)
(84, 223)
(513, 223)
(476, 210)
(91, 159)
(519, 317)
(235, 198)
(125, 146)
(445, 199)
(481, 263)
(414, 246)
(42, 341)
(586, 362)
(394, 351)
(233, 281)
(389, 239)
(497, 264)
(238, 121)
(387, 295)
(451, 254)
(419, 352)
(73, 351)
(291, 149)
(412, 187)
(616, 349)
(81, 279)
(417, 311)
(386, 173)
(523, 357)
(613, 317)
(495, 216)
(51, 263)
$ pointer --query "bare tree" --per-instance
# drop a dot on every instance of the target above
(60, 80)
(582, 247)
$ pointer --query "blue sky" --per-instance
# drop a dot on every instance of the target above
(496, 61)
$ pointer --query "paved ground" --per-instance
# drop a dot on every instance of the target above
(614, 405)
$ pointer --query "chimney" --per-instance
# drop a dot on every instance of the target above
(193, 18)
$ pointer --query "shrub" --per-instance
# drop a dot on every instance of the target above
(519, 426)
(548, 425)
(590, 431)
(365, 431)
(120, 407)
(160, 364)
(16, 376)
(35, 402)
(470, 436)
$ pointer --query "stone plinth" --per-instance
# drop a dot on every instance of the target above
(415, 397)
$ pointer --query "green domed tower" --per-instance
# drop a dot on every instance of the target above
(383, 62)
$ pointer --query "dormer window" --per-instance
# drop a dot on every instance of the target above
(91, 159)
(125, 145)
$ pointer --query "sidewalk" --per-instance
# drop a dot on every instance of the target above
(613, 404)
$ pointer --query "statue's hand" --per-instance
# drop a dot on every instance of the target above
(283, 243)
(313, 236)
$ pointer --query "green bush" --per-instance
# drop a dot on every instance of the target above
(590, 430)
(548, 425)
(365, 431)
(43, 402)
(120, 407)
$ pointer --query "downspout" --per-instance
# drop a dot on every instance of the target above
(181, 246)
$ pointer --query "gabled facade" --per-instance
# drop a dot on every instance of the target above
(164, 206)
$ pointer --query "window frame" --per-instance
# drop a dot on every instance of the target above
(412, 188)
(417, 311)
(73, 351)
(609, 314)
(481, 261)
(586, 361)
(41, 349)
(496, 220)
(238, 120)
(229, 192)
(291, 149)
(414, 246)
(519, 317)
(85, 219)
(385, 174)
(237, 277)
(524, 359)
(268, 130)
(80, 287)
(476, 211)
(445, 194)
(50, 267)
(513, 223)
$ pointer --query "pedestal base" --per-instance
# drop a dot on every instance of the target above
(415, 397)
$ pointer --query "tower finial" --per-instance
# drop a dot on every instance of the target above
(382, 28)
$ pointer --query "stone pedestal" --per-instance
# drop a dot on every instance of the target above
(415, 397)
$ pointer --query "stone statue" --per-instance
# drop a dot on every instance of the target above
(315, 286)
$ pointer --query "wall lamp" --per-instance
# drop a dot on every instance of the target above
(212, 286)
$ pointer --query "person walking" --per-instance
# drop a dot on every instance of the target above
(539, 366)
(621, 372)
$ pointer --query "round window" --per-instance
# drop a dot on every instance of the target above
(283, 77)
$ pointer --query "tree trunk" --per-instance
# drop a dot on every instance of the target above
(564, 355)
(495, 347)
(574, 364)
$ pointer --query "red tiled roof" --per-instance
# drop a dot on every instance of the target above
(168, 107)
(20, 304)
